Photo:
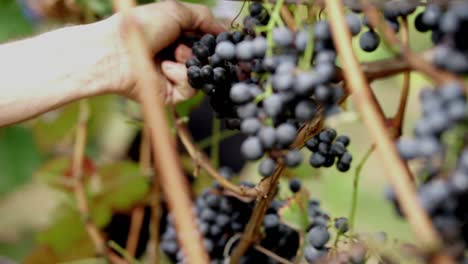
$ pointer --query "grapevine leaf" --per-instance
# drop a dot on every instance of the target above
(66, 229)
(294, 212)
(57, 172)
(54, 126)
(123, 185)
(19, 157)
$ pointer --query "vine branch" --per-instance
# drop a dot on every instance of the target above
(79, 188)
(166, 162)
(268, 188)
(138, 213)
(252, 230)
(397, 122)
(375, 123)
(200, 158)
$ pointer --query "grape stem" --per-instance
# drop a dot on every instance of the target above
(275, 15)
(357, 174)
(376, 125)
(207, 142)
(168, 172)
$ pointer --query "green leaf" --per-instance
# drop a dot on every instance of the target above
(123, 185)
(294, 212)
(66, 229)
(19, 157)
(101, 214)
(51, 128)
(13, 24)
(57, 172)
(184, 108)
(53, 171)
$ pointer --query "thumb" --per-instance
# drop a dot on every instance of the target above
(179, 89)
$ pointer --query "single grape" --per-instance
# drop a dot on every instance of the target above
(318, 236)
(369, 41)
(252, 149)
(295, 185)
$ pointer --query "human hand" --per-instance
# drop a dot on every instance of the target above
(163, 23)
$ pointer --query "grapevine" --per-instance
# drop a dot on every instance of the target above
(279, 80)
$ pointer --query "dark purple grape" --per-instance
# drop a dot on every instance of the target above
(318, 236)
(226, 50)
(285, 134)
(266, 167)
(293, 158)
(252, 149)
(369, 41)
(295, 185)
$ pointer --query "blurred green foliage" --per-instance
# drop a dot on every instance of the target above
(12, 22)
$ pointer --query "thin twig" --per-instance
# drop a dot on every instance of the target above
(136, 221)
(77, 173)
(138, 213)
(397, 122)
(200, 158)
(357, 174)
(169, 172)
(288, 18)
(376, 126)
(272, 255)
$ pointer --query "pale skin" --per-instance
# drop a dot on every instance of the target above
(50, 70)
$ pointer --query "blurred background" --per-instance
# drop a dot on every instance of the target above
(38, 219)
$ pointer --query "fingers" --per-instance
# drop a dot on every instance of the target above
(163, 22)
(182, 53)
(179, 90)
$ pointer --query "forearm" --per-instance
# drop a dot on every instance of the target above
(50, 70)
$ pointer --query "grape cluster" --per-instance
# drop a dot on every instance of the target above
(327, 149)
(447, 21)
(318, 235)
(392, 10)
(443, 191)
(442, 109)
(268, 89)
(221, 217)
